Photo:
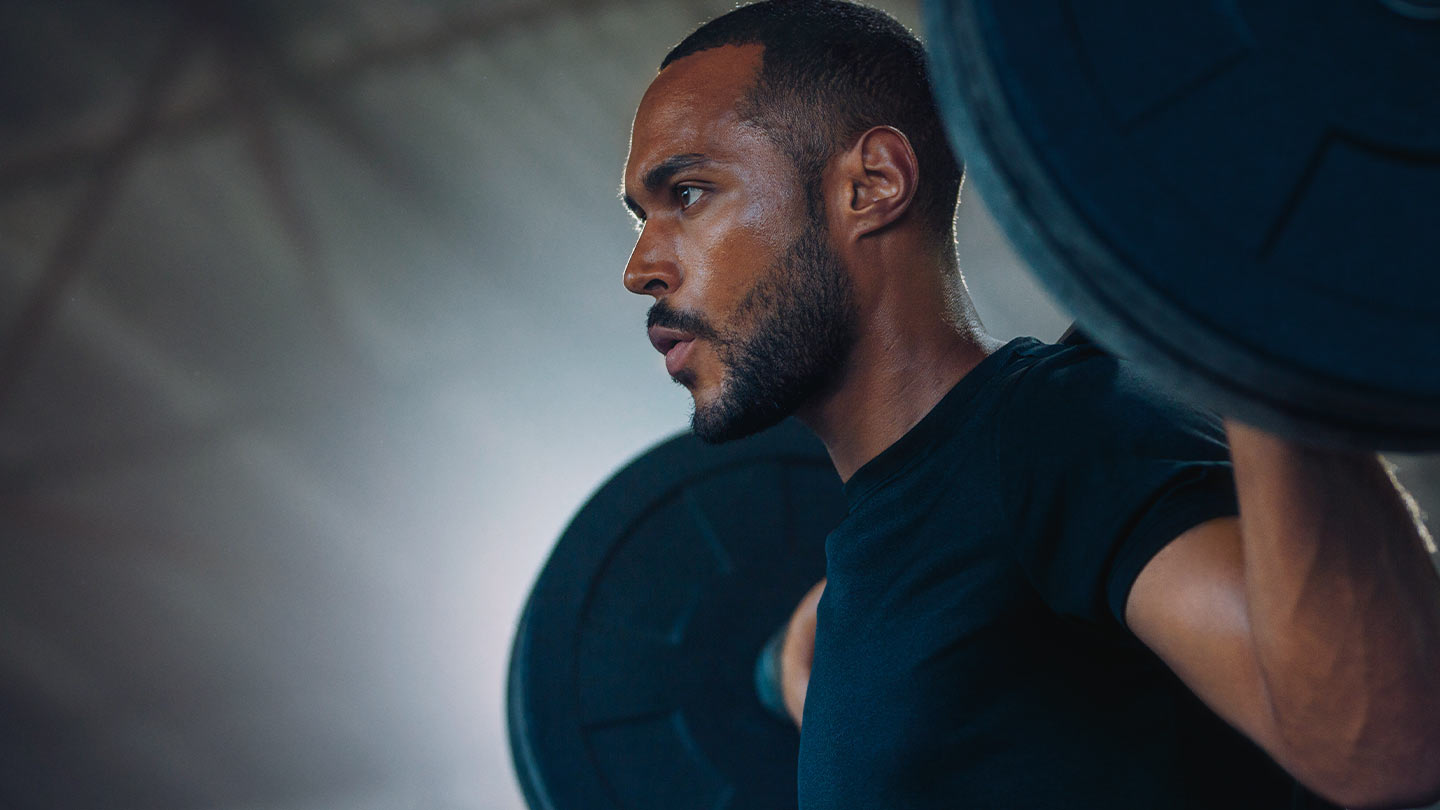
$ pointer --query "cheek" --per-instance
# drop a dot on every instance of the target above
(735, 241)
(725, 269)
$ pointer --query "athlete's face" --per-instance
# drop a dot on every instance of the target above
(752, 307)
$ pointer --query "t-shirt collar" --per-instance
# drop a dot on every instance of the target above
(931, 427)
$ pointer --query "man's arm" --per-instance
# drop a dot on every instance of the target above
(1311, 623)
(797, 653)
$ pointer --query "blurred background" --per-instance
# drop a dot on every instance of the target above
(312, 338)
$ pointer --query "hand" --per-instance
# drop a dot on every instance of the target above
(797, 653)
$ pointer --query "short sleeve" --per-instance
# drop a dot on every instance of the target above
(1103, 468)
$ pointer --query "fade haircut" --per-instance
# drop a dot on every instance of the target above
(831, 70)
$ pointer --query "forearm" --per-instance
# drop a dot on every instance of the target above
(1344, 606)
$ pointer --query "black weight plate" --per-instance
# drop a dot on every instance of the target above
(632, 675)
(1245, 195)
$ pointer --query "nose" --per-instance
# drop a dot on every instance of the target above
(652, 269)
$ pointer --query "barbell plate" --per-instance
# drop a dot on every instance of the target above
(631, 680)
(1245, 196)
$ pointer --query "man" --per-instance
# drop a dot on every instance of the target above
(1051, 590)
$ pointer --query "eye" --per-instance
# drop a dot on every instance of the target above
(688, 195)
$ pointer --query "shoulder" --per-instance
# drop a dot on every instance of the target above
(1102, 468)
(1063, 379)
(1080, 396)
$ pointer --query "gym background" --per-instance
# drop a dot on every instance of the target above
(312, 338)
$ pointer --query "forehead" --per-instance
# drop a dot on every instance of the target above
(692, 108)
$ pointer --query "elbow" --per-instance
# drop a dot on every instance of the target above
(1393, 797)
(1383, 759)
(1401, 783)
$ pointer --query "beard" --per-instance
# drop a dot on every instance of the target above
(801, 319)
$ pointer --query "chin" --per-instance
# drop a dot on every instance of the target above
(723, 420)
(713, 432)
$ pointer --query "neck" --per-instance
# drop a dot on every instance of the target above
(912, 347)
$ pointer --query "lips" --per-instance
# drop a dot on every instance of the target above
(675, 344)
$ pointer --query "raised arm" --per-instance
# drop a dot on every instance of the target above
(1311, 623)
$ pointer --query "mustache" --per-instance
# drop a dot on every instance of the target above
(664, 315)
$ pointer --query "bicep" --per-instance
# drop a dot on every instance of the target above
(1188, 605)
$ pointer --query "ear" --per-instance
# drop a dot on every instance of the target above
(876, 181)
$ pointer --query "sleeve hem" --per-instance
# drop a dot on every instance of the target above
(1167, 519)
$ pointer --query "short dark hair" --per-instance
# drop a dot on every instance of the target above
(831, 70)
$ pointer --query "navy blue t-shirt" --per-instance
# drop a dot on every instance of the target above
(971, 649)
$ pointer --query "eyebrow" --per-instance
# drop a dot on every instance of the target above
(659, 176)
